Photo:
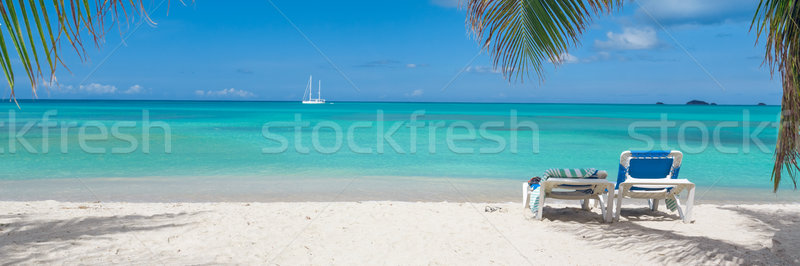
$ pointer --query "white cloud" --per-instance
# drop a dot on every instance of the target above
(445, 3)
(486, 69)
(629, 39)
(135, 89)
(61, 88)
(566, 58)
(388, 63)
(600, 56)
(97, 88)
(417, 92)
(482, 69)
(52, 83)
(93, 89)
(229, 92)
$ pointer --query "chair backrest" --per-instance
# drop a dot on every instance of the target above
(649, 165)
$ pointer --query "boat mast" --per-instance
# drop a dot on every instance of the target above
(309, 87)
(319, 90)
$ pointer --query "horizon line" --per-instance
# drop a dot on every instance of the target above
(436, 102)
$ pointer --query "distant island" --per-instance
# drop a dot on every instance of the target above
(696, 102)
(659, 103)
(762, 104)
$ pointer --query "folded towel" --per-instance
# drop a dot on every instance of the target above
(672, 204)
(569, 173)
(558, 173)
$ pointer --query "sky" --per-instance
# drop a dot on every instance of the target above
(416, 51)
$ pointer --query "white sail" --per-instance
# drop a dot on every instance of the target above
(311, 100)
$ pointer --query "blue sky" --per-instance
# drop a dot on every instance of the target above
(418, 51)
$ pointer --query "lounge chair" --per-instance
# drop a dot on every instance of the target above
(572, 186)
(653, 175)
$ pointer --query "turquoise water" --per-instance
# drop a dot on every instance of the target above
(226, 139)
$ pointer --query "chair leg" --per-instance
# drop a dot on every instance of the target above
(689, 204)
(680, 208)
(609, 204)
(653, 204)
(526, 195)
(602, 210)
(619, 205)
(585, 204)
(541, 205)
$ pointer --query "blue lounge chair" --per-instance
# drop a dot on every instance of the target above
(653, 175)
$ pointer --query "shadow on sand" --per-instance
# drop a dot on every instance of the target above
(49, 236)
(671, 247)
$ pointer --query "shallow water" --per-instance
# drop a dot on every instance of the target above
(727, 149)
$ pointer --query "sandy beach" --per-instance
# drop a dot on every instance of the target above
(390, 233)
(400, 133)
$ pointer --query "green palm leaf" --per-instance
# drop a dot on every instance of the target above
(523, 34)
(777, 22)
(33, 31)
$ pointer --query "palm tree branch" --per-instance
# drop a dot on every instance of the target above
(777, 21)
(32, 44)
(522, 34)
(42, 37)
(33, 30)
(12, 24)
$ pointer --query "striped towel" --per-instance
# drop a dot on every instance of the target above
(672, 204)
(558, 173)
(569, 173)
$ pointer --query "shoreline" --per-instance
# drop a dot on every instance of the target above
(390, 232)
(156, 189)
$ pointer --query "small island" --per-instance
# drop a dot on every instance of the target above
(696, 102)
(761, 104)
(659, 103)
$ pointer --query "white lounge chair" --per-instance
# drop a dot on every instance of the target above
(653, 175)
(584, 189)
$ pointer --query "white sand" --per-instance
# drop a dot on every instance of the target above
(389, 233)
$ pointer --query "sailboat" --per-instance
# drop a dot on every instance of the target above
(310, 100)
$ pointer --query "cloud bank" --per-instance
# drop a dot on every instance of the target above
(229, 92)
(629, 39)
(95, 89)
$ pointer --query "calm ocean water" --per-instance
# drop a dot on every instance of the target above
(726, 148)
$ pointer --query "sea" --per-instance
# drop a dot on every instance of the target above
(163, 151)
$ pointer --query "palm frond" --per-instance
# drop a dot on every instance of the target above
(777, 21)
(36, 33)
(523, 34)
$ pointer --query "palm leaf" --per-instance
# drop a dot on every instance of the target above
(777, 22)
(523, 34)
(32, 45)
(6, 63)
(42, 38)
(33, 31)
(9, 14)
